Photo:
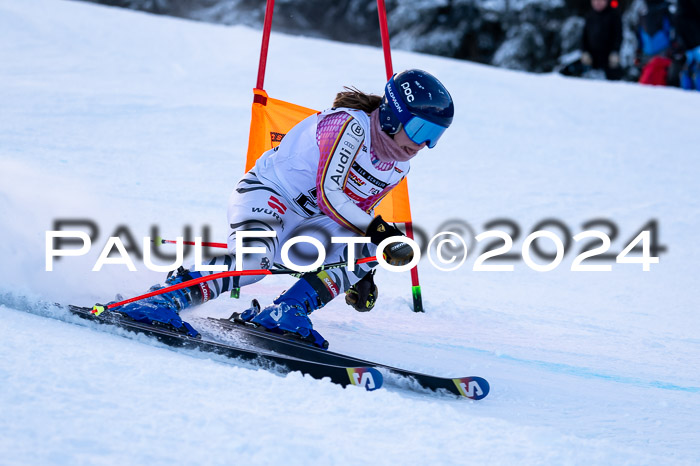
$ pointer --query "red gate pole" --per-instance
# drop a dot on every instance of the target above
(269, 8)
(384, 30)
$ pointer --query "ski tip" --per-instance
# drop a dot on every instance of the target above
(367, 377)
(474, 388)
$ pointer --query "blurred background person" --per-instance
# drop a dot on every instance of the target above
(688, 27)
(654, 33)
(602, 38)
(655, 38)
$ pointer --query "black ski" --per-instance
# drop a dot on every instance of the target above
(344, 375)
(474, 388)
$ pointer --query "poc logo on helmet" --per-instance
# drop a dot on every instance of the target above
(407, 90)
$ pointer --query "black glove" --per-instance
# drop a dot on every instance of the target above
(363, 295)
(398, 253)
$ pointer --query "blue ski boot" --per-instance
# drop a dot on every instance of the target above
(162, 310)
(289, 313)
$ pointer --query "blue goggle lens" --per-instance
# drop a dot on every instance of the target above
(420, 131)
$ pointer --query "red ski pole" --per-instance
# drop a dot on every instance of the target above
(206, 244)
(214, 276)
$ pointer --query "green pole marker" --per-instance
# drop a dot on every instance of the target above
(236, 293)
(417, 299)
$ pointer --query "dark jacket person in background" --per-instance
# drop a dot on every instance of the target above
(688, 35)
(602, 38)
(688, 23)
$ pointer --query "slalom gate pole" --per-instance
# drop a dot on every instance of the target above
(384, 31)
(269, 8)
(233, 273)
(386, 46)
(415, 283)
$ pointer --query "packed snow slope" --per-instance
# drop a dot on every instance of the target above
(136, 121)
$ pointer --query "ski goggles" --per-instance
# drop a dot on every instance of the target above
(417, 129)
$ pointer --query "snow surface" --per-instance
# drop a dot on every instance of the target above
(136, 120)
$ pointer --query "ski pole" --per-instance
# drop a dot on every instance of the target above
(235, 292)
(233, 273)
(160, 240)
(205, 244)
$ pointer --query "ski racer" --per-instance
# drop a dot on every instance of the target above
(323, 180)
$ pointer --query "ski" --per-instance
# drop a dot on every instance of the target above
(344, 375)
(475, 388)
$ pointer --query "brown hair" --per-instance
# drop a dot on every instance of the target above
(351, 97)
